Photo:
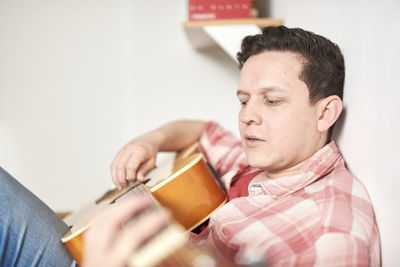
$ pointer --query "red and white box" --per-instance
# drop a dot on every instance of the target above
(219, 9)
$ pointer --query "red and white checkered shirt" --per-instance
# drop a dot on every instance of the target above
(321, 216)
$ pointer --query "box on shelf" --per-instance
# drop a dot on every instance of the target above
(219, 9)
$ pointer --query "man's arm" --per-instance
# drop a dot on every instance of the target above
(341, 249)
(331, 249)
(138, 157)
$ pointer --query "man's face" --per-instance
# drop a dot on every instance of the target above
(278, 125)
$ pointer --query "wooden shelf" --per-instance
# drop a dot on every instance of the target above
(226, 33)
(260, 22)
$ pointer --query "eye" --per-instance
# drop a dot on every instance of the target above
(243, 101)
(271, 101)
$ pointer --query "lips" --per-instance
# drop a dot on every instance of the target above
(253, 141)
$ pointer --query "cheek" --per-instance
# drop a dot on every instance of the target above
(288, 130)
(299, 128)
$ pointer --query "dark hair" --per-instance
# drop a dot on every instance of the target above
(323, 64)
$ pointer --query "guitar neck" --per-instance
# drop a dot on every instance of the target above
(164, 243)
(170, 246)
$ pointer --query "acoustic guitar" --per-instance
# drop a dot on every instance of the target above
(186, 185)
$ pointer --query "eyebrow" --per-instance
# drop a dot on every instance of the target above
(263, 90)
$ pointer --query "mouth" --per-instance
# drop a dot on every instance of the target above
(253, 141)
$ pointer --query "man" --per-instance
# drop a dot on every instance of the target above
(292, 199)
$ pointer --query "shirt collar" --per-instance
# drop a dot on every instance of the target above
(320, 164)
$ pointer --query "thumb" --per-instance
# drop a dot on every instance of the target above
(145, 168)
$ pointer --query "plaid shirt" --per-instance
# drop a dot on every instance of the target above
(321, 216)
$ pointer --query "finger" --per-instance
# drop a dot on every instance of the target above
(132, 158)
(114, 170)
(121, 166)
(114, 165)
(95, 241)
(134, 235)
(133, 164)
(145, 168)
(110, 223)
(139, 155)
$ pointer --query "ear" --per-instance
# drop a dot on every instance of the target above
(329, 109)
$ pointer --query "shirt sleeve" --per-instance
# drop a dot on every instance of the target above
(223, 150)
(341, 249)
(332, 249)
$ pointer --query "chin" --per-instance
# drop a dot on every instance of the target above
(257, 161)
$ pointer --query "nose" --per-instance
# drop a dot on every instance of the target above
(250, 113)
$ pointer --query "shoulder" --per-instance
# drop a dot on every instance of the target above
(344, 204)
(215, 134)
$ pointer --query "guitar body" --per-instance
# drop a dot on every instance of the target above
(190, 191)
(191, 194)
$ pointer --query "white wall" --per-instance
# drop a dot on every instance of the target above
(368, 33)
(79, 78)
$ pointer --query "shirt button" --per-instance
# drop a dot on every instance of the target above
(255, 190)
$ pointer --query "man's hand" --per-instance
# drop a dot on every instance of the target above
(139, 156)
(111, 240)
(135, 159)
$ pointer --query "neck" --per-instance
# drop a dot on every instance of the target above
(273, 174)
(294, 169)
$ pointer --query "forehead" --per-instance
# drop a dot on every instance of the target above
(271, 69)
